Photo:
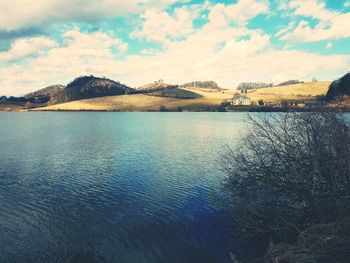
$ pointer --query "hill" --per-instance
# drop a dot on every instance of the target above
(297, 92)
(176, 93)
(193, 99)
(154, 87)
(339, 87)
(253, 85)
(90, 87)
(146, 102)
(44, 95)
(201, 85)
(92, 93)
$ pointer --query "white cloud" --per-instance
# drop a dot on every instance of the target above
(160, 25)
(239, 13)
(17, 14)
(312, 8)
(26, 47)
(331, 31)
(331, 23)
(94, 41)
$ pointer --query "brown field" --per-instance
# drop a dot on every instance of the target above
(297, 92)
(10, 107)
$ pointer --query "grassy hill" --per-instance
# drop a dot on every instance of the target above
(177, 93)
(156, 86)
(297, 92)
(142, 102)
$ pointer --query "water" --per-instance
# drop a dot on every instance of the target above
(112, 187)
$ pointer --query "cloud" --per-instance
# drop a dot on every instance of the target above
(19, 14)
(330, 24)
(92, 41)
(332, 31)
(160, 26)
(239, 13)
(23, 48)
(312, 8)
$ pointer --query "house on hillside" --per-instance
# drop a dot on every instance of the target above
(241, 100)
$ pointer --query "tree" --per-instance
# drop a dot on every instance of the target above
(223, 106)
(28, 105)
(290, 171)
(261, 102)
(162, 108)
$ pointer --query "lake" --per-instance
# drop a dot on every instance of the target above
(113, 187)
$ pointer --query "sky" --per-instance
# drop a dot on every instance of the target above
(45, 42)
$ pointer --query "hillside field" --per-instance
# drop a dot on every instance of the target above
(297, 92)
(142, 102)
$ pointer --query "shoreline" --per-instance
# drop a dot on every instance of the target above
(257, 110)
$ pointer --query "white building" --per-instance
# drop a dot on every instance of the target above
(241, 100)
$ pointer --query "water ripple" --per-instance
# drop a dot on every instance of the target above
(111, 187)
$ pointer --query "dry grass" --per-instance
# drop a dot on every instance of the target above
(303, 91)
(141, 102)
(10, 107)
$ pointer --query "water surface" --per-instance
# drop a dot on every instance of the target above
(112, 187)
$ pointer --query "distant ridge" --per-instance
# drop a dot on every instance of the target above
(201, 85)
(290, 82)
(156, 86)
(253, 85)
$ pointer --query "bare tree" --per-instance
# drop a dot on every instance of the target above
(289, 171)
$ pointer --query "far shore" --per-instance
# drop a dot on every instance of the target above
(298, 97)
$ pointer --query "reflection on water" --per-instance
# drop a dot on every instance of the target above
(112, 187)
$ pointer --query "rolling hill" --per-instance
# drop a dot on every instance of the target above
(90, 87)
(146, 102)
(154, 87)
(100, 94)
(197, 100)
(297, 92)
(339, 87)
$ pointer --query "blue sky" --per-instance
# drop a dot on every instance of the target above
(138, 41)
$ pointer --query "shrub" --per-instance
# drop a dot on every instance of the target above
(162, 108)
(290, 171)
